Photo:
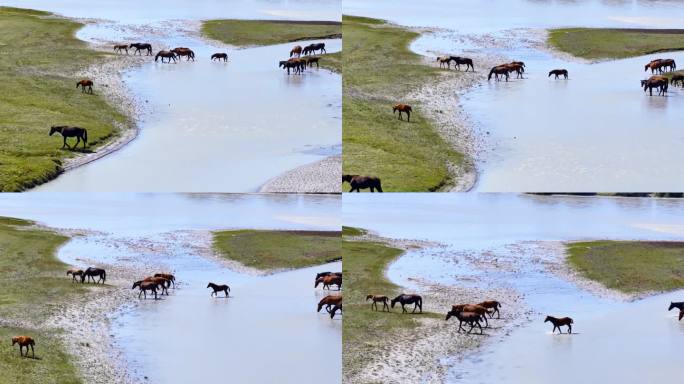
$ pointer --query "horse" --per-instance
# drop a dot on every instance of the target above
(444, 60)
(462, 60)
(404, 299)
(679, 305)
(297, 50)
(295, 64)
(165, 55)
(85, 83)
(678, 78)
(559, 72)
(74, 272)
(160, 281)
(91, 272)
(517, 68)
(559, 322)
(329, 301)
(146, 286)
(66, 131)
(142, 47)
(307, 50)
(317, 47)
(218, 288)
(403, 108)
(323, 274)
(219, 56)
(379, 299)
(659, 82)
(121, 47)
(334, 310)
(474, 308)
(498, 70)
(171, 278)
(358, 182)
(183, 51)
(470, 318)
(667, 63)
(311, 60)
(520, 63)
(24, 341)
(329, 280)
(494, 306)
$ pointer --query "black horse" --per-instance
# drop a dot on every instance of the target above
(462, 61)
(559, 72)
(66, 131)
(91, 272)
(219, 56)
(404, 299)
(362, 182)
(218, 288)
(142, 47)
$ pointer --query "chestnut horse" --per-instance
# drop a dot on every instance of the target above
(146, 286)
(494, 306)
(559, 322)
(475, 308)
(362, 182)
(165, 55)
(403, 108)
(171, 278)
(121, 47)
(329, 301)
(218, 288)
(160, 281)
(85, 83)
(74, 272)
(517, 68)
(498, 70)
(444, 60)
(404, 299)
(142, 47)
(462, 61)
(91, 272)
(659, 82)
(379, 299)
(24, 341)
(81, 134)
(559, 72)
(183, 51)
(219, 56)
(323, 274)
(329, 280)
(297, 50)
(470, 318)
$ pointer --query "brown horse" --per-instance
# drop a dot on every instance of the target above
(297, 50)
(165, 55)
(329, 301)
(678, 78)
(470, 318)
(329, 280)
(520, 63)
(404, 299)
(499, 70)
(311, 60)
(403, 108)
(219, 288)
(91, 273)
(121, 47)
(183, 51)
(81, 134)
(559, 72)
(475, 308)
(24, 341)
(517, 68)
(494, 306)
(312, 48)
(219, 56)
(667, 63)
(161, 282)
(379, 299)
(74, 272)
(444, 60)
(559, 322)
(171, 278)
(323, 274)
(142, 47)
(358, 182)
(462, 61)
(85, 83)
(145, 286)
(659, 82)
(297, 65)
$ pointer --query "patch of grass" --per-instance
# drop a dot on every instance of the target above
(364, 330)
(379, 71)
(39, 54)
(610, 43)
(266, 250)
(33, 285)
(353, 231)
(630, 266)
(244, 33)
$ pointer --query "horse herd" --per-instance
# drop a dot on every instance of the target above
(171, 54)
(332, 303)
(297, 63)
(660, 82)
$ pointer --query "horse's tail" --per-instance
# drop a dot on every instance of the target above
(572, 321)
(104, 274)
(379, 186)
(490, 74)
(85, 135)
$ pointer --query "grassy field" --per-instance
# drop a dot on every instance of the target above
(379, 71)
(38, 56)
(267, 250)
(630, 266)
(600, 43)
(364, 330)
(32, 286)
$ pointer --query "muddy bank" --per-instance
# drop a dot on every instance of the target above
(320, 177)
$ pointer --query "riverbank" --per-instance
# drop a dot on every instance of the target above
(322, 176)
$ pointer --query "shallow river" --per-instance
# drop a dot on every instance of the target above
(522, 232)
(268, 321)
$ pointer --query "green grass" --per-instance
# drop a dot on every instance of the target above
(630, 266)
(379, 71)
(606, 43)
(33, 285)
(353, 231)
(364, 330)
(38, 55)
(267, 250)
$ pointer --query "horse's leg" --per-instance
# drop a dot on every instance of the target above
(65, 143)
(569, 329)
(403, 309)
(498, 314)
(408, 116)
(33, 352)
(225, 290)
(486, 321)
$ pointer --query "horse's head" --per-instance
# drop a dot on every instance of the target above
(548, 318)
(347, 178)
(209, 285)
(672, 305)
(318, 281)
(15, 340)
(54, 129)
(136, 284)
(394, 301)
(369, 297)
(450, 314)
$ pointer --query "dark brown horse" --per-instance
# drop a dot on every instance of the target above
(678, 78)
(475, 308)
(165, 55)
(379, 299)
(559, 72)
(358, 182)
(444, 60)
(297, 50)
(85, 83)
(219, 288)
(329, 301)
(470, 318)
(297, 65)
(494, 306)
(171, 278)
(334, 310)
(500, 70)
(404, 299)
(81, 134)
(142, 47)
(91, 272)
(74, 272)
(462, 61)
(121, 47)
(517, 68)
(146, 286)
(315, 47)
(219, 56)
(24, 341)
(161, 282)
(659, 82)
(405, 108)
(183, 51)
(328, 281)
(311, 60)
(559, 322)
(679, 305)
